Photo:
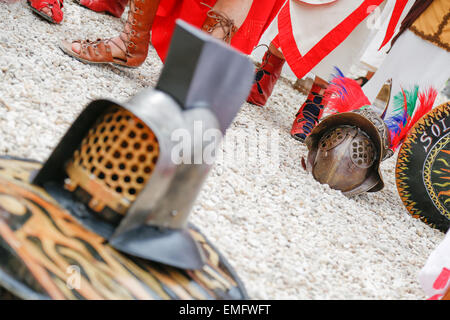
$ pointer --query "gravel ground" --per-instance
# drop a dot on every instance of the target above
(287, 236)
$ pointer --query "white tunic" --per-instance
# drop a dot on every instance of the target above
(313, 20)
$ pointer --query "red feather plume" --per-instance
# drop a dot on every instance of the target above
(343, 95)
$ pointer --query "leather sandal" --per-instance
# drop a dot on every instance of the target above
(113, 7)
(216, 19)
(54, 5)
(136, 40)
(95, 52)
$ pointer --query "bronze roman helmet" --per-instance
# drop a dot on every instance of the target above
(346, 149)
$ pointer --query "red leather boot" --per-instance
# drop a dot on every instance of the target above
(114, 7)
(308, 115)
(265, 78)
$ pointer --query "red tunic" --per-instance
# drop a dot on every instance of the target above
(258, 19)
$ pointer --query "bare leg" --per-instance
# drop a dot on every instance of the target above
(317, 81)
(370, 74)
(361, 81)
(321, 83)
(274, 50)
(237, 10)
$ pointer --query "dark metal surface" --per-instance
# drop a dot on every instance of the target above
(170, 246)
(79, 210)
(203, 72)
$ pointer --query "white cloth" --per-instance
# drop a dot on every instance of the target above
(312, 22)
(372, 57)
(411, 61)
(435, 275)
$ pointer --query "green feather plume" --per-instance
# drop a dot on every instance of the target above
(408, 99)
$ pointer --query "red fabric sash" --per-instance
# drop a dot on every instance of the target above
(398, 9)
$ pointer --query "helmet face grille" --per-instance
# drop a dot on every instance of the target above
(333, 138)
(114, 160)
(363, 152)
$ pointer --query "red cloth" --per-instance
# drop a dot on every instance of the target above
(258, 19)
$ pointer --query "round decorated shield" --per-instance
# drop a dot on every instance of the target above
(423, 169)
(45, 253)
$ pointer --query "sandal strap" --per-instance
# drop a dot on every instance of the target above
(130, 34)
(101, 47)
(98, 50)
(221, 21)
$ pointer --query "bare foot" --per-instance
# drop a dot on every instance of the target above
(47, 11)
